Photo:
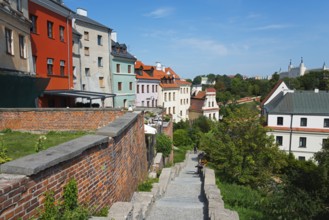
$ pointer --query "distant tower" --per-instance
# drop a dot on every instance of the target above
(290, 66)
(302, 67)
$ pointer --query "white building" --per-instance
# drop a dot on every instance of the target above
(204, 103)
(15, 40)
(147, 86)
(299, 120)
(92, 71)
(294, 72)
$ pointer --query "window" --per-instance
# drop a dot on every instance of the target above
(99, 40)
(34, 23)
(169, 96)
(279, 121)
(87, 71)
(22, 47)
(118, 68)
(142, 88)
(130, 85)
(173, 110)
(181, 113)
(153, 103)
(129, 68)
(137, 88)
(181, 101)
(142, 103)
(86, 51)
(62, 67)
(302, 142)
(147, 89)
(86, 35)
(119, 86)
(101, 82)
(34, 63)
(50, 63)
(165, 97)
(174, 97)
(169, 110)
(156, 88)
(301, 158)
(326, 123)
(148, 103)
(19, 5)
(152, 88)
(9, 41)
(303, 122)
(50, 29)
(279, 140)
(61, 33)
(100, 61)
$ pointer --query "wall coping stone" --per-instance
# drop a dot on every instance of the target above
(118, 126)
(34, 163)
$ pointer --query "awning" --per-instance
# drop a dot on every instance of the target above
(80, 94)
(149, 130)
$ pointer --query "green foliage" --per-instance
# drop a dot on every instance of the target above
(147, 185)
(180, 152)
(163, 144)
(241, 150)
(101, 213)
(182, 138)
(3, 151)
(202, 123)
(244, 200)
(68, 209)
(39, 146)
(70, 195)
(183, 124)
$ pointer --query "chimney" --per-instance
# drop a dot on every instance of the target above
(82, 12)
(158, 66)
(114, 36)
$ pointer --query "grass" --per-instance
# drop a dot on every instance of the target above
(19, 144)
(147, 185)
(244, 200)
(179, 154)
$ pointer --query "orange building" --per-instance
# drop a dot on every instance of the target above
(51, 39)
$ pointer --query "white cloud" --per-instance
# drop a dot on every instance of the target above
(209, 46)
(160, 12)
(271, 27)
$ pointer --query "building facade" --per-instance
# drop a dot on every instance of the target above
(123, 76)
(92, 67)
(299, 120)
(147, 86)
(15, 42)
(203, 103)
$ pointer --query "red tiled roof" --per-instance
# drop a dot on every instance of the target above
(183, 82)
(138, 64)
(199, 95)
(210, 89)
(196, 105)
(169, 85)
(172, 72)
(144, 76)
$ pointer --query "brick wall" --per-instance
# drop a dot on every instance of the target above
(107, 169)
(57, 119)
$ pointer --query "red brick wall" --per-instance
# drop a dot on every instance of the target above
(57, 119)
(105, 174)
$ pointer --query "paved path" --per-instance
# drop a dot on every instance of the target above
(183, 198)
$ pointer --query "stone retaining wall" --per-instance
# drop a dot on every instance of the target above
(59, 119)
(216, 210)
(107, 167)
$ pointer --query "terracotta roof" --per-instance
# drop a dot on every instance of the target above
(183, 82)
(199, 95)
(196, 105)
(169, 85)
(138, 64)
(145, 76)
(210, 90)
(172, 72)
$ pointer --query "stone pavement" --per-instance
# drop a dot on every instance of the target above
(183, 198)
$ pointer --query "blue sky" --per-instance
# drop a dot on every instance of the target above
(195, 37)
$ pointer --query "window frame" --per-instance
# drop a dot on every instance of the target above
(34, 25)
(118, 68)
(62, 67)
(119, 86)
(9, 41)
(99, 40)
(87, 71)
(279, 120)
(100, 61)
(62, 33)
(22, 46)
(50, 29)
(303, 122)
(279, 140)
(129, 68)
(50, 66)
(130, 86)
(302, 142)
(86, 51)
(86, 35)
(326, 123)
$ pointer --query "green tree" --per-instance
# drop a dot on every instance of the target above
(163, 144)
(196, 80)
(241, 150)
(182, 138)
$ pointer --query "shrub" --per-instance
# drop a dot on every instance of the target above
(3, 151)
(147, 185)
(163, 144)
(182, 138)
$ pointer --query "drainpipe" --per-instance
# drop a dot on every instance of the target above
(291, 115)
(68, 49)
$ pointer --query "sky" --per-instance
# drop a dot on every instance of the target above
(197, 37)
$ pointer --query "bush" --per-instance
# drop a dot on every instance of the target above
(182, 138)
(163, 144)
(147, 185)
